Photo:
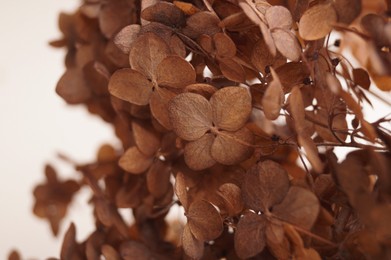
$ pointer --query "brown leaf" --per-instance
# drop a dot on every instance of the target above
(70, 248)
(273, 99)
(160, 99)
(232, 70)
(124, 39)
(278, 17)
(191, 245)
(165, 13)
(250, 235)
(134, 161)
(261, 57)
(146, 137)
(198, 153)
(265, 185)
(158, 178)
(361, 77)
(317, 22)
(147, 52)
(204, 90)
(202, 23)
(175, 72)
(347, 10)
(231, 107)
(110, 253)
(131, 86)
(180, 189)
(190, 115)
(311, 151)
(300, 207)
(225, 47)
(72, 87)
(231, 148)
(130, 250)
(274, 231)
(287, 44)
(232, 200)
(204, 221)
(292, 74)
(267, 36)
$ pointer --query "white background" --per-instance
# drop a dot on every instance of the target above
(35, 124)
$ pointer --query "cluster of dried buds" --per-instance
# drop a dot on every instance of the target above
(231, 109)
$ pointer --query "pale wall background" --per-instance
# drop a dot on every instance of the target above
(35, 124)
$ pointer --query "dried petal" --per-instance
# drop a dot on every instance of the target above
(165, 13)
(134, 250)
(265, 185)
(202, 23)
(197, 153)
(250, 235)
(317, 22)
(131, 86)
(180, 189)
(231, 196)
(190, 115)
(232, 70)
(146, 137)
(134, 161)
(361, 77)
(72, 87)
(124, 39)
(287, 44)
(225, 47)
(347, 10)
(273, 99)
(175, 72)
(231, 148)
(204, 221)
(278, 17)
(110, 253)
(158, 178)
(147, 52)
(300, 207)
(231, 107)
(160, 99)
(191, 245)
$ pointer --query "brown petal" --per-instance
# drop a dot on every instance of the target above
(232, 198)
(165, 13)
(158, 178)
(134, 161)
(180, 189)
(147, 52)
(231, 148)
(317, 22)
(278, 17)
(110, 253)
(70, 248)
(292, 74)
(113, 16)
(130, 250)
(265, 185)
(361, 77)
(261, 57)
(131, 86)
(250, 235)
(231, 107)
(124, 39)
(175, 72)
(232, 70)
(202, 23)
(190, 115)
(160, 99)
(347, 10)
(225, 47)
(287, 44)
(72, 87)
(191, 245)
(202, 89)
(197, 153)
(146, 137)
(300, 207)
(204, 221)
(273, 99)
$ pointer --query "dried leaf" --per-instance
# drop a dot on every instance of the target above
(158, 178)
(361, 77)
(347, 10)
(232, 70)
(124, 39)
(231, 196)
(292, 74)
(265, 185)
(70, 248)
(72, 87)
(147, 52)
(160, 99)
(134, 161)
(110, 253)
(231, 148)
(261, 57)
(192, 246)
(317, 22)
(287, 44)
(180, 189)
(300, 207)
(165, 13)
(202, 23)
(225, 47)
(131, 86)
(175, 72)
(190, 115)
(198, 153)
(278, 17)
(273, 99)
(250, 235)
(231, 108)
(204, 221)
